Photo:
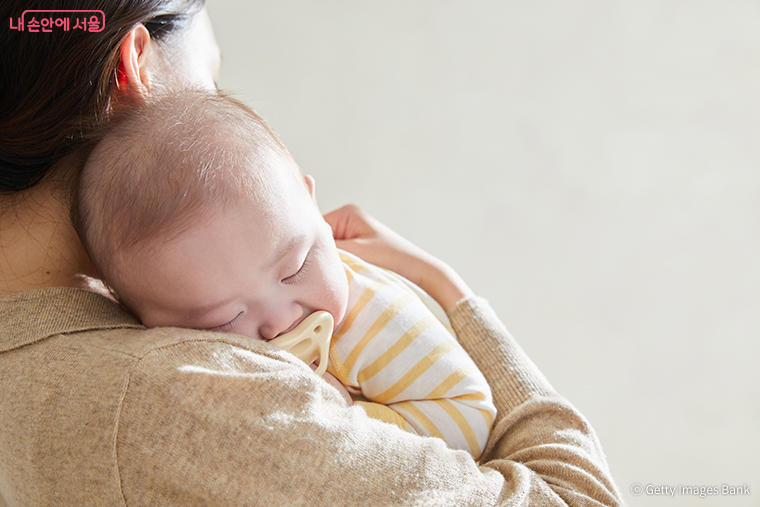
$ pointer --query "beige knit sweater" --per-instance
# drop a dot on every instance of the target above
(96, 410)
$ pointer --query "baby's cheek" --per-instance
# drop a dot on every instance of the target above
(337, 298)
(334, 290)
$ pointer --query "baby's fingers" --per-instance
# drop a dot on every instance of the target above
(350, 222)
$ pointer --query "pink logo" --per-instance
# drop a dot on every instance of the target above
(46, 21)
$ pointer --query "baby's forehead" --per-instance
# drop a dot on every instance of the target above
(231, 160)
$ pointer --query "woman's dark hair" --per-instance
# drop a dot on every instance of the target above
(56, 86)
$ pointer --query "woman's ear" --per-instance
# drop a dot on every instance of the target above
(311, 186)
(132, 75)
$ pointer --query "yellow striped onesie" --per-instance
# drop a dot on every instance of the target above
(400, 354)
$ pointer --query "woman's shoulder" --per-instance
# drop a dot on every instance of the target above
(91, 385)
(30, 317)
(85, 319)
(62, 332)
(57, 333)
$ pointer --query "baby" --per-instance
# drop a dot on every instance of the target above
(197, 216)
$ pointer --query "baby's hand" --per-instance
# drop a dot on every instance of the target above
(364, 236)
(340, 387)
(330, 379)
(361, 234)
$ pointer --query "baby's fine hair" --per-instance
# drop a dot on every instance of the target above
(158, 167)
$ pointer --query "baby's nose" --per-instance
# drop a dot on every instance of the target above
(281, 321)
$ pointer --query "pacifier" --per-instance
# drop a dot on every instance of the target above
(309, 340)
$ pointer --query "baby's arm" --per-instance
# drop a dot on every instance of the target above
(337, 384)
(408, 364)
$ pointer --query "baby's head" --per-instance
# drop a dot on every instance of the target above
(196, 215)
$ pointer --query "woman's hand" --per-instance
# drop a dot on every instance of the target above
(359, 233)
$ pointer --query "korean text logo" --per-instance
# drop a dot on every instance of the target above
(46, 21)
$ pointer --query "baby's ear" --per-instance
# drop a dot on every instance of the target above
(311, 186)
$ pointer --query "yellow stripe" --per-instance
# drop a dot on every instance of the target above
(344, 256)
(397, 348)
(413, 374)
(352, 263)
(420, 417)
(488, 416)
(365, 298)
(349, 274)
(464, 426)
(376, 327)
(478, 396)
(451, 381)
(335, 367)
(383, 413)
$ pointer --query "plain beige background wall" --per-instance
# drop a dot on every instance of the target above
(591, 167)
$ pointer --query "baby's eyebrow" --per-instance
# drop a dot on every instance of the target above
(287, 247)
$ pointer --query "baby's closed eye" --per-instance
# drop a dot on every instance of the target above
(225, 327)
(301, 270)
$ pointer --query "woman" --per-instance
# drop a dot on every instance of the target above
(97, 410)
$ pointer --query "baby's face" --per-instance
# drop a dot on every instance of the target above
(256, 269)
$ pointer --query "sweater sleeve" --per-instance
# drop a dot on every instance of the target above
(537, 432)
(214, 421)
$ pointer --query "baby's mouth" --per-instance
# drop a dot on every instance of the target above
(294, 325)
